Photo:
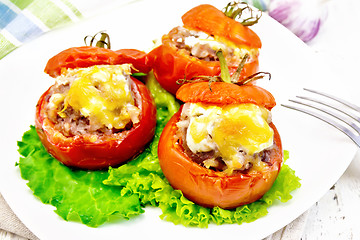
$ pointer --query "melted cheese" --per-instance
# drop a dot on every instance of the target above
(201, 122)
(102, 94)
(233, 132)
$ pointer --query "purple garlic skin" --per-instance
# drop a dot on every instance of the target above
(303, 17)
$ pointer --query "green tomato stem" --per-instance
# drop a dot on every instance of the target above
(225, 75)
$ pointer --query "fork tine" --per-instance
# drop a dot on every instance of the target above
(351, 105)
(333, 123)
(353, 135)
(353, 116)
(335, 115)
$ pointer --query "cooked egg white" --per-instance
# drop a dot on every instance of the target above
(101, 93)
(233, 131)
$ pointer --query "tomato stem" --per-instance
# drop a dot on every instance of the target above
(235, 77)
(254, 77)
(103, 42)
(225, 75)
(237, 10)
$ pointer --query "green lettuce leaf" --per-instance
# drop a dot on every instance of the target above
(77, 195)
(153, 189)
(96, 197)
(143, 176)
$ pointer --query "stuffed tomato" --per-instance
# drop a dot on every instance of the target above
(221, 148)
(95, 115)
(189, 51)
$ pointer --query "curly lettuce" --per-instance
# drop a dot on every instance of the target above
(96, 197)
(77, 195)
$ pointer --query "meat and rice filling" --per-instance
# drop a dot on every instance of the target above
(230, 139)
(204, 46)
(92, 100)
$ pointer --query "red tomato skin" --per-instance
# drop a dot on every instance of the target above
(209, 188)
(222, 93)
(170, 65)
(82, 152)
(86, 56)
(138, 59)
(209, 19)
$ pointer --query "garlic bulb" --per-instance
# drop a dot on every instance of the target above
(303, 17)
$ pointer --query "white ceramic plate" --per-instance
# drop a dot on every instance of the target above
(318, 153)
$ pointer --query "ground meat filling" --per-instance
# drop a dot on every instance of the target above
(213, 161)
(217, 163)
(71, 122)
(75, 123)
(204, 47)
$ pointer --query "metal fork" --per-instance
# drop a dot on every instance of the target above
(347, 121)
